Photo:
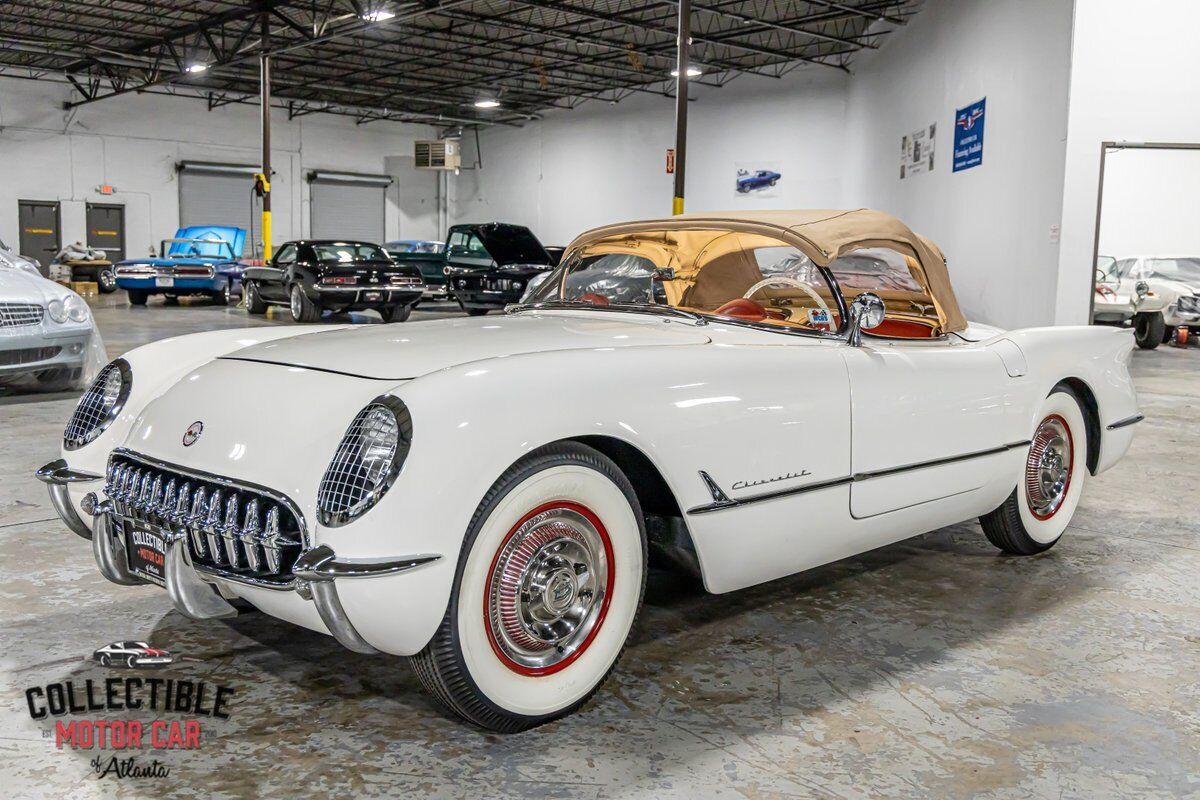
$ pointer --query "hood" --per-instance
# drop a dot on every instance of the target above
(19, 286)
(511, 244)
(399, 352)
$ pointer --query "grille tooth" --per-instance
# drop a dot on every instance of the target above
(152, 498)
(250, 534)
(270, 540)
(229, 531)
(196, 519)
(180, 514)
(212, 524)
(112, 487)
(166, 503)
(141, 492)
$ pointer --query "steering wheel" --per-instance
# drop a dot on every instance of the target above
(784, 280)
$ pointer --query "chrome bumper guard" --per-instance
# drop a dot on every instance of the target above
(192, 590)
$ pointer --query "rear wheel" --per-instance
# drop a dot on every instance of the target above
(549, 582)
(1148, 329)
(1035, 515)
(396, 313)
(303, 309)
(105, 661)
(137, 297)
(222, 296)
(254, 302)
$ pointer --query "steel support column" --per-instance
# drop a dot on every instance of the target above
(681, 101)
(264, 62)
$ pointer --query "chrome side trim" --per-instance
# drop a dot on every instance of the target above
(321, 564)
(722, 501)
(1125, 423)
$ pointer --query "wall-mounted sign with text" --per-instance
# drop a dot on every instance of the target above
(917, 152)
(968, 136)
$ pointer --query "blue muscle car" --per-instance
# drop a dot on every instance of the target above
(202, 259)
(753, 181)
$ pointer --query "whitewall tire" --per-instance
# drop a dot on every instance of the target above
(549, 584)
(1051, 481)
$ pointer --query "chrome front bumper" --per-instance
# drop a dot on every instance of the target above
(194, 592)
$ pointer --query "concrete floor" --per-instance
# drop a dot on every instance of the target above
(931, 668)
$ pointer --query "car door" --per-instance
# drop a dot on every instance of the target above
(272, 278)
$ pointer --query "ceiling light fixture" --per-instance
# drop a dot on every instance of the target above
(197, 67)
(692, 71)
(379, 15)
(487, 102)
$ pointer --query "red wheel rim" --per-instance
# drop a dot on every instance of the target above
(1049, 467)
(521, 561)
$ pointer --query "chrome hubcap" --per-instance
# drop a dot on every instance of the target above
(295, 304)
(1048, 469)
(547, 588)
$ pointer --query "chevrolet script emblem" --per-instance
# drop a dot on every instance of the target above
(193, 433)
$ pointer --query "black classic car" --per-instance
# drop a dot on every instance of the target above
(427, 256)
(488, 266)
(312, 276)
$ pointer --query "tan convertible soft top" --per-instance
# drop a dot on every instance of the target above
(822, 235)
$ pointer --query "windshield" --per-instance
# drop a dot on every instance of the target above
(335, 252)
(414, 247)
(1184, 270)
(197, 248)
(741, 276)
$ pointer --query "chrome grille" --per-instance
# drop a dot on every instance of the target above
(95, 406)
(238, 530)
(14, 315)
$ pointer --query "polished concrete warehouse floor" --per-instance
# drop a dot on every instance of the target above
(932, 668)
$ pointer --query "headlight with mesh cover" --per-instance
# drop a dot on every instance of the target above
(100, 405)
(366, 463)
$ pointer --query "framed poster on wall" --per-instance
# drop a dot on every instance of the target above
(917, 151)
(968, 135)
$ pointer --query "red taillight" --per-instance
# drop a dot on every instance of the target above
(204, 271)
(405, 280)
(338, 280)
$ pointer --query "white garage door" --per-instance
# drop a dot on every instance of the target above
(348, 207)
(216, 194)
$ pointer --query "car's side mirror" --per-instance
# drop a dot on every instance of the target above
(866, 312)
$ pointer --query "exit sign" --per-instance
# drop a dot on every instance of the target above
(105, 188)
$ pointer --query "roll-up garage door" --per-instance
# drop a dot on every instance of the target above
(216, 194)
(347, 206)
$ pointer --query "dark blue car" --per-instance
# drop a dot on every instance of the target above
(202, 259)
(753, 181)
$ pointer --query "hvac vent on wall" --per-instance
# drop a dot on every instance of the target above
(437, 154)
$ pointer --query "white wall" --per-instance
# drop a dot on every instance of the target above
(1151, 203)
(134, 142)
(1134, 77)
(605, 163)
(993, 221)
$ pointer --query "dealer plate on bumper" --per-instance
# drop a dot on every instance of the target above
(372, 297)
(147, 552)
(164, 283)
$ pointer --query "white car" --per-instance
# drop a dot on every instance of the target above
(484, 495)
(48, 338)
(12, 258)
(1158, 294)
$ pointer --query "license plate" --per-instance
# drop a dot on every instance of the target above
(147, 552)
(162, 283)
(372, 296)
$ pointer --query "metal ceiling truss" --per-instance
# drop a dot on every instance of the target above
(431, 59)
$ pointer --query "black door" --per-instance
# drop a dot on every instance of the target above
(106, 229)
(40, 230)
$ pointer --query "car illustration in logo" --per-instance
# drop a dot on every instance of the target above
(133, 655)
(193, 433)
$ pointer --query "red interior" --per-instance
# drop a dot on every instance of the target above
(594, 299)
(743, 308)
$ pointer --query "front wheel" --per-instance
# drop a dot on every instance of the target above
(254, 302)
(1148, 329)
(303, 309)
(549, 583)
(1035, 515)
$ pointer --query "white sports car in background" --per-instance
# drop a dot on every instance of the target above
(1158, 294)
(484, 494)
(48, 339)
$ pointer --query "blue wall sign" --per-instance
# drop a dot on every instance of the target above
(968, 136)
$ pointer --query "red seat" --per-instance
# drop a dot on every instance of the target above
(594, 299)
(743, 308)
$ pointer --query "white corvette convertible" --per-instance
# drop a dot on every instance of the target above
(742, 395)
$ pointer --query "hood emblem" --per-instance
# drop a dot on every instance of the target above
(193, 433)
